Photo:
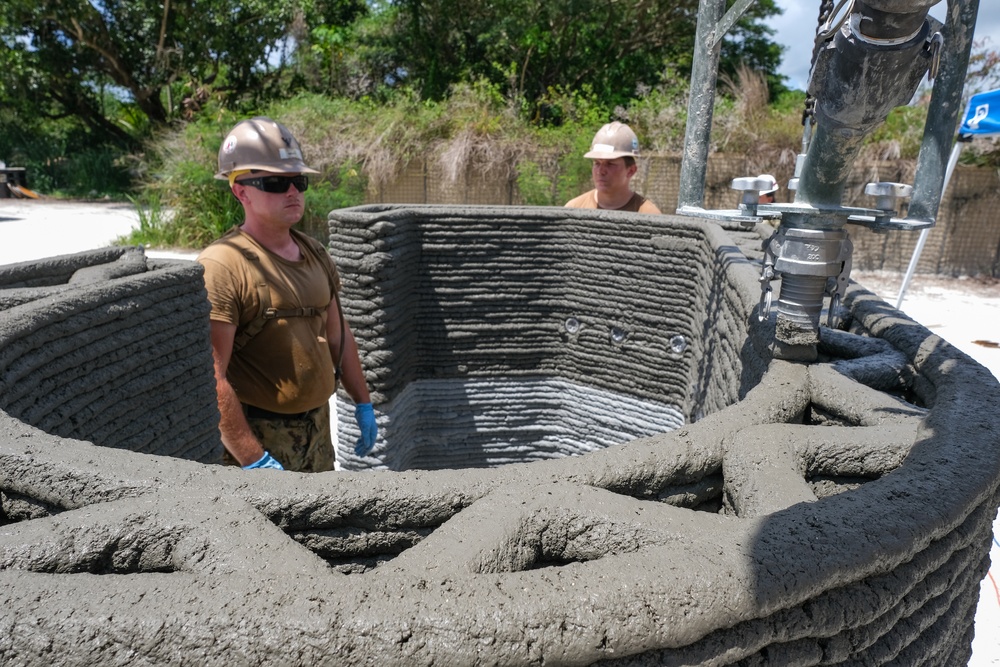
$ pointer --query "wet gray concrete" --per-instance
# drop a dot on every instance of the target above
(831, 513)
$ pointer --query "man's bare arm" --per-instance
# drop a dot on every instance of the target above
(237, 437)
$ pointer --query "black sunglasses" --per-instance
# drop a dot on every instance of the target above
(277, 184)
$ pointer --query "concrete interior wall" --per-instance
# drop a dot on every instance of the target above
(563, 321)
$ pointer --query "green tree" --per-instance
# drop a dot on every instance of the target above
(749, 44)
(984, 68)
(528, 47)
(325, 60)
(72, 53)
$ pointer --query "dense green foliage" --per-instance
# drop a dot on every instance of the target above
(84, 84)
(526, 48)
(131, 98)
(476, 128)
(165, 60)
(164, 57)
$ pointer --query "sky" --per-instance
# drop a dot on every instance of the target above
(795, 29)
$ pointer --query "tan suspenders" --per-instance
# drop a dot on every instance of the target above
(268, 312)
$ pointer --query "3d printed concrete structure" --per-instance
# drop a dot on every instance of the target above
(599, 447)
(829, 513)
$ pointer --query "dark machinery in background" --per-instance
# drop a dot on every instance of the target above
(869, 58)
(13, 184)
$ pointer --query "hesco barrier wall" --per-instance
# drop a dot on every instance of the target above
(965, 240)
(833, 513)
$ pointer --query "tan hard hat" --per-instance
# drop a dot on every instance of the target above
(613, 140)
(260, 143)
(772, 184)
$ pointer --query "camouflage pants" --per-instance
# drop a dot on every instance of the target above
(301, 442)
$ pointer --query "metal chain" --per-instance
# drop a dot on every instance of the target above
(825, 12)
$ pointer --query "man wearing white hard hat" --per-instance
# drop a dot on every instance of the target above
(766, 196)
(614, 152)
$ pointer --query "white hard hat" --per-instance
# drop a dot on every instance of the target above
(773, 183)
(613, 140)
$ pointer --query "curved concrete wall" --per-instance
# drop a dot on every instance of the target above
(851, 508)
(100, 346)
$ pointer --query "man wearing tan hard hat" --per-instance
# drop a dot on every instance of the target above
(279, 339)
(614, 152)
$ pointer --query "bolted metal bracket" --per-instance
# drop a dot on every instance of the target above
(886, 197)
(726, 215)
(750, 188)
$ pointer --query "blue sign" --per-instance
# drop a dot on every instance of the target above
(983, 114)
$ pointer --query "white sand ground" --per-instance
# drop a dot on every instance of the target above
(963, 311)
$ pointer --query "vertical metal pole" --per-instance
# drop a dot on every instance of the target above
(701, 101)
(925, 232)
(945, 106)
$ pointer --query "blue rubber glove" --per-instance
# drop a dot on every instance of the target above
(266, 461)
(365, 416)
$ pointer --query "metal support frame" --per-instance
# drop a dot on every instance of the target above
(943, 112)
(871, 61)
(701, 103)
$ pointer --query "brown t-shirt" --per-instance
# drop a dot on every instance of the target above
(637, 204)
(287, 367)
